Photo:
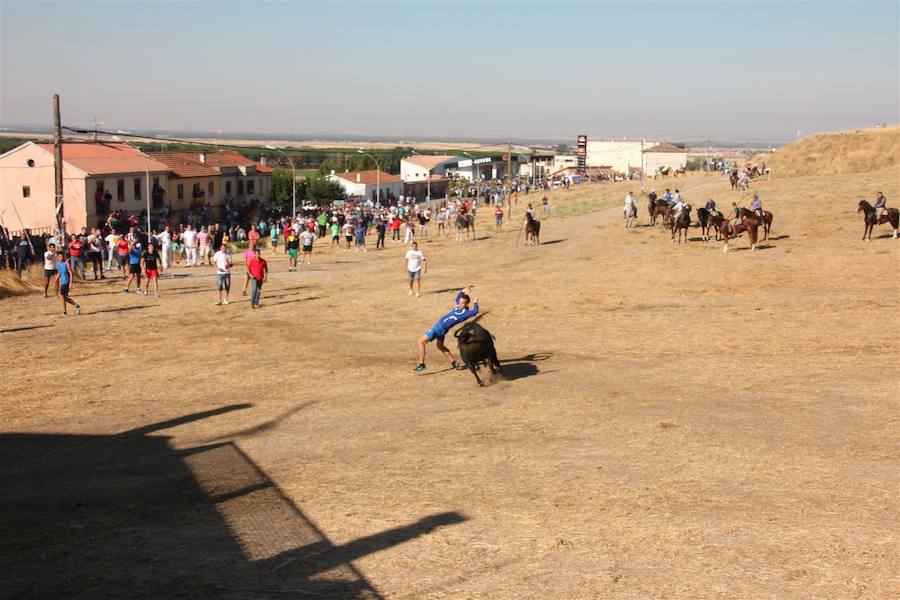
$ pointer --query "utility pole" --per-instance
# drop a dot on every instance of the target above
(643, 165)
(708, 149)
(58, 176)
(509, 190)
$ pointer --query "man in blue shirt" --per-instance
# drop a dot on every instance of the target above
(64, 272)
(756, 205)
(443, 325)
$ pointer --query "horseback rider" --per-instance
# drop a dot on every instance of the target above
(756, 205)
(668, 197)
(676, 199)
(736, 218)
(530, 210)
(652, 197)
(678, 206)
(711, 207)
(880, 205)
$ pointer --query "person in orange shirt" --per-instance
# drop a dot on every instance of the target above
(258, 269)
(253, 236)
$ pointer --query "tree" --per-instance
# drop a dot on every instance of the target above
(321, 191)
(282, 190)
(562, 149)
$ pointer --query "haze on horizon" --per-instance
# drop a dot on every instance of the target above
(533, 70)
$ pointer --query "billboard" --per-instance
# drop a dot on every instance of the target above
(581, 153)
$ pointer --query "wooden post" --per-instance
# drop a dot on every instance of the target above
(58, 172)
(509, 178)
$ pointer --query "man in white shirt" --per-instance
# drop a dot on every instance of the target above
(189, 238)
(111, 240)
(306, 239)
(222, 260)
(416, 266)
(50, 269)
(165, 240)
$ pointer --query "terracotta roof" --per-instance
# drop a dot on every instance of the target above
(228, 158)
(428, 161)
(185, 164)
(369, 177)
(665, 147)
(106, 158)
(261, 168)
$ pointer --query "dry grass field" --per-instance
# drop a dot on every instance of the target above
(676, 422)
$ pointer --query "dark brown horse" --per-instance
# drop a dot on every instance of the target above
(719, 222)
(703, 218)
(682, 222)
(532, 229)
(872, 219)
(767, 220)
(662, 210)
(749, 224)
(651, 209)
(733, 179)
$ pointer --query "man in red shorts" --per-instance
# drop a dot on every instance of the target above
(152, 263)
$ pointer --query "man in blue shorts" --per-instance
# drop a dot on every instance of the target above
(443, 325)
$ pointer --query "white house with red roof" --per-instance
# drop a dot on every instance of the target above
(363, 184)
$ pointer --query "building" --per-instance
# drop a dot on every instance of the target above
(419, 167)
(664, 154)
(562, 162)
(483, 168)
(426, 175)
(97, 178)
(215, 178)
(624, 156)
(363, 184)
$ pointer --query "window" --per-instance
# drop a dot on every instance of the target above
(137, 188)
(241, 187)
(120, 190)
(26, 191)
(211, 189)
(250, 186)
(227, 188)
(30, 162)
(180, 191)
(196, 192)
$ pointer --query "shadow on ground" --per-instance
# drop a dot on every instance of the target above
(129, 516)
(524, 366)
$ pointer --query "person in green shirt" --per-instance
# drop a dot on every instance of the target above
(293, 247)
(335, 234)
(323, 223)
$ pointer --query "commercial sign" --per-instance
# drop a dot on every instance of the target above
(478, 161)
(581, 153)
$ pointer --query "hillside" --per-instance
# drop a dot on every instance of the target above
(840, 153)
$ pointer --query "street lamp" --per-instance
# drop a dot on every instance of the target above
(147, 175)
(377, 175)
(293, 179)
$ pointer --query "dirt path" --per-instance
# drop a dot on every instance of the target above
(677, 422)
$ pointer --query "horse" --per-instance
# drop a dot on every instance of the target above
(703, 217)
(872, 219)
(630, 215)
(750, 225)
(683, 221)
(532, 229)
(465, 223)
(651, 206)
(661, 172)
(679, 171)
(662, 209)
(733, 178)
(743, 184)
(718, 221)
(766, 220)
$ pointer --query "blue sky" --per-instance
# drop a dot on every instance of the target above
(530, 69)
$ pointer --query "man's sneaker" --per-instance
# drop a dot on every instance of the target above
(77, 309)
(454, 365)
(419, 368)
(64, 314)
(219, 303)
(125, 291)
(225, 301)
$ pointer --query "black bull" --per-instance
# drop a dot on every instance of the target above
(476, 345)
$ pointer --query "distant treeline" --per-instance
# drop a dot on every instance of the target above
(322, 159)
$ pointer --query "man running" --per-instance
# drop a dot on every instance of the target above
(222, 260)
(65, 281)
(258, 269)
(439, 330)
(416, 266)
(151, 261)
